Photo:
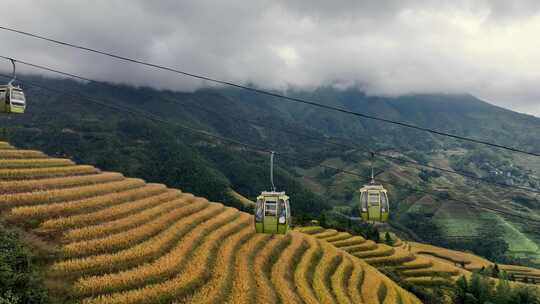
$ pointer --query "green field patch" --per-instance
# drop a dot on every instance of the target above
(454, 220)
(520, 245)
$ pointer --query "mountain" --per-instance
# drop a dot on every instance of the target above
(104, 238)
(100, 237)
(68, 125)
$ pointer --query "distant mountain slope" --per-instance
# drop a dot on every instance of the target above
(423, 264)
(463, 115)
(111, 239)
(62, 125)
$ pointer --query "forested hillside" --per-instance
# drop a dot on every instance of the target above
(100, 237)
(69, 126)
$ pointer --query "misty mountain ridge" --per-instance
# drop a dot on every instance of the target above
(68, 125)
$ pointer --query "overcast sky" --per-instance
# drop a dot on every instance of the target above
(487, 48)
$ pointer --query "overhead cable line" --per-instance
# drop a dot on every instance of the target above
(364, 150)
(258, 149)
(413, 189)
(310, 137)
(268, 93)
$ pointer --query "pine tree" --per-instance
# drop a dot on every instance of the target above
(495, 271)
(462, 288)
(376, 236)
(481, 288)
(502, 292)
(525, 295)
(388, 239)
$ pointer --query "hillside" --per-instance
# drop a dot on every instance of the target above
(417, 263)
(66, 126)
(447, 209)
(105, 238)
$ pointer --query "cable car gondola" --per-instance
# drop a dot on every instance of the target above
(12, 99)
(272, 212)
(374, 204)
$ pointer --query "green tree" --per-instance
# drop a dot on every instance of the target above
(525, 295)
(388, 239)
(495, 272)
(481, 287)
(9, 298)
(19, 281)
(502, 292)
(462, 290)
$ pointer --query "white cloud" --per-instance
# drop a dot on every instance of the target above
(389, 47)
(288, 55)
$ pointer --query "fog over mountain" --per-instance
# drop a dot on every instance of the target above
(486, 48)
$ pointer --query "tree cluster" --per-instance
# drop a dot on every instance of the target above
(20, 281)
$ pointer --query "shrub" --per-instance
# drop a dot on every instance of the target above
(19, 281)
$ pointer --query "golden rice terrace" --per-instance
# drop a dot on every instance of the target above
(112, 239)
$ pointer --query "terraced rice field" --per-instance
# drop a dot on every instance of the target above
(471, 261)
(415, 268)
(111, 239)
(419, 263)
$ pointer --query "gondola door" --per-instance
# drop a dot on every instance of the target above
(374, 205)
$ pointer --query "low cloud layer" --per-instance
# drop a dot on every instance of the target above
(386, 47)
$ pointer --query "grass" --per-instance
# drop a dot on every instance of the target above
(128, 192)
(395, 259)
(265, 292)
(243, 290)
(430, 281)
(323, 272)
(355, 240)
(518, 241)
(118, 240)
(339, 237)
(382, 292)
(365, 246)
(21, 154)
(356, 281)
(219, 286)
(417, 263)
(471, 261)
(283, 272)
(128, 238)
(35, 173)
(302, 278)
(162, 268)
(116, 261)
(166, 201)
(193, 276)
(430, 272)
(311, 229)
(339, 281)
(370, 286)
(5, 146)
(34, 163)
(57, 182)
(329, 233)
(420, 264)
(56, 196)
(128, 222)
(398, 258)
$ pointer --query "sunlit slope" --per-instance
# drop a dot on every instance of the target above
(471, 261)
(421, 264)
(414, 268)
(121, 240)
